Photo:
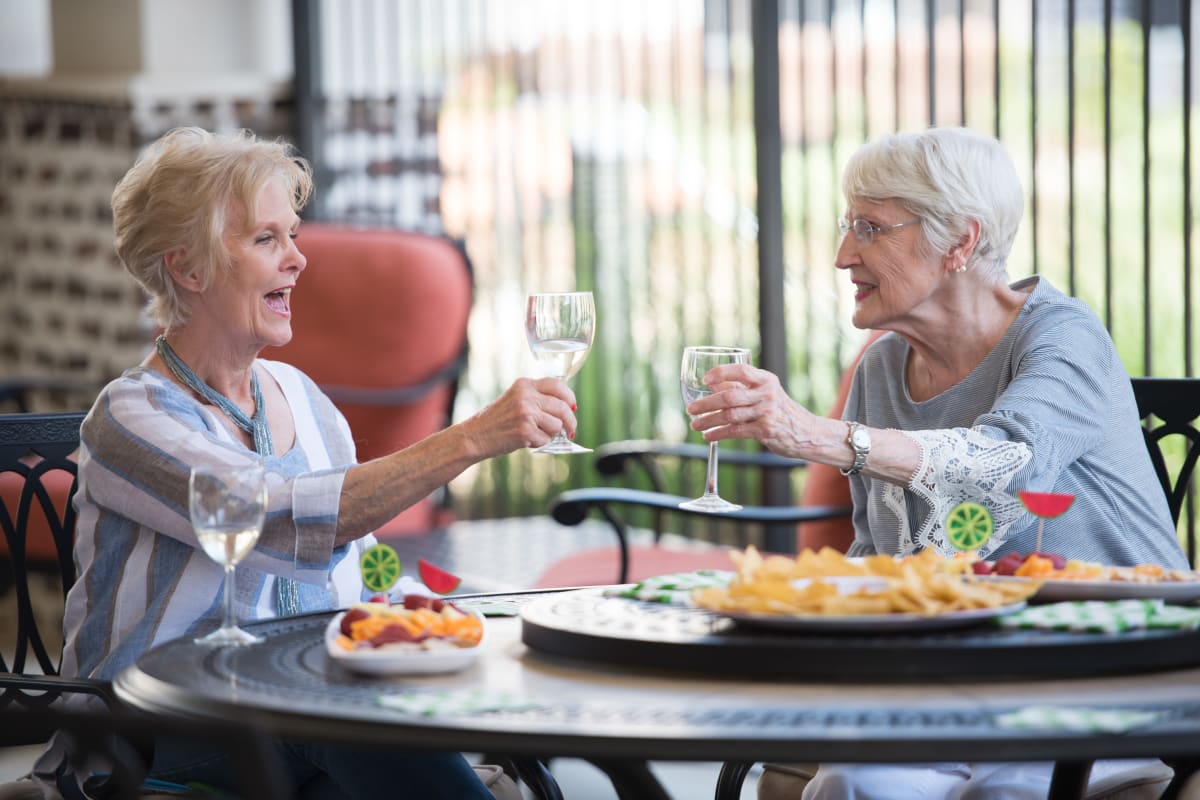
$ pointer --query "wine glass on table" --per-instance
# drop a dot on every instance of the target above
(697, 361)
(559, 327)
(228, 505)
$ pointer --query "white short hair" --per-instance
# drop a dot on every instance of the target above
(946, 177)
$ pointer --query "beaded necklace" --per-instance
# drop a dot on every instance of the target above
(286, 595)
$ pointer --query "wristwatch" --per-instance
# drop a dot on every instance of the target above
(859, 439)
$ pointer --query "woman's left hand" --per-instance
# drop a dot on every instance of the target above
(749, 403)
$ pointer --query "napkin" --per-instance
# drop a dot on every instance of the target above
(1104, 616)
(675, 588)
(1077, 718)
(456, 702)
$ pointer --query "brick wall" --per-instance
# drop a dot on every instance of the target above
(70, 316)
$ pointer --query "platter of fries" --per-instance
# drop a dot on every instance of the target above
(826, 591)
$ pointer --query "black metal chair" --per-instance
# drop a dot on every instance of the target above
(1175, 404)
(1169, 408)
(34, 447)
(623, 458)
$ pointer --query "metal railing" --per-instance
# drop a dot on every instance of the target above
(619, 147)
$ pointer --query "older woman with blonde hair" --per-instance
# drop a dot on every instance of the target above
(982, 387)
(208, 226)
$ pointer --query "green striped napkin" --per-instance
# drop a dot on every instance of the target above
(1088, 720)
(675, 588)
(1104, 616)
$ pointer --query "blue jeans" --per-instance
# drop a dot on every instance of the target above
(337, 772)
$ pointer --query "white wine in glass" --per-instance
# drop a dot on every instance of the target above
(697, 361)
(559, 327)
(228, 505)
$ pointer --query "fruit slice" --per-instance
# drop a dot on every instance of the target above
(1046, 505)
(968, 526)
(436, 578)
(380, 567)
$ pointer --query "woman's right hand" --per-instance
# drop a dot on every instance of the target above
(750, 403)
(528, 414)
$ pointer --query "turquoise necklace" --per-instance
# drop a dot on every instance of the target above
(286, 596)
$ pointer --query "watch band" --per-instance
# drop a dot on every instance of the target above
(859, 441)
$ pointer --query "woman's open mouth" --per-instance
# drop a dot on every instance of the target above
(279, 301)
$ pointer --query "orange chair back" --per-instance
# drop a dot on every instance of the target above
(826, 486)
(379, 321)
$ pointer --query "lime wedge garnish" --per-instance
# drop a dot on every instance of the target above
(969, 525)
(380, 567)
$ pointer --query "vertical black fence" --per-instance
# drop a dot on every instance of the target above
(613, 147)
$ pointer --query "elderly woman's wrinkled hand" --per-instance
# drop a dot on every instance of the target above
(749, 403)
(528, 414)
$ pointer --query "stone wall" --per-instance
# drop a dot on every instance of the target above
(70, 316)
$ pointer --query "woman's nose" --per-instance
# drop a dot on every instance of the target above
(300, 261)
(847, 252)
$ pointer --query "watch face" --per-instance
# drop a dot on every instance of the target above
(861, 438)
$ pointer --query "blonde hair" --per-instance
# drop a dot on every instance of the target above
(181, 192)
(945, 177)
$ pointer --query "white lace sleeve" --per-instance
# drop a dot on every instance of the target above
(960, 464)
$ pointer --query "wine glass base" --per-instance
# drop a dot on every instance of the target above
(563, 447)
(710, 504)
(228, 637)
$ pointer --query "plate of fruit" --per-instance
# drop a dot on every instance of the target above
(1064, 579)
(421, 635)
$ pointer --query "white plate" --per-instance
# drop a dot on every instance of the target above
(871, 623)
(1054, 591)
(399, 659)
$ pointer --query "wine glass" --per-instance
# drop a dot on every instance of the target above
(697, 361)
(228, 504)
(560, 327)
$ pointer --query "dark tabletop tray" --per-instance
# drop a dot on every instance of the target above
(586, 624)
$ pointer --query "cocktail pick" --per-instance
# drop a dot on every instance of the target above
(1044, 506)
(436, 578)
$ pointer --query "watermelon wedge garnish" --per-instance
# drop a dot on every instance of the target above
(1046, 505)
(436, 578)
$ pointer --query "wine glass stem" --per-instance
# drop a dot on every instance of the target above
(710, 483)
(560, 438)
(229, 620)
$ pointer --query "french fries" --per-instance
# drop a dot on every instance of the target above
(926, 584)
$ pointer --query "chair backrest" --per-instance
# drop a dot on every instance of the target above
(1175, 404)
(379, 321)
(37, 483)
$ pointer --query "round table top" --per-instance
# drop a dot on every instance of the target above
(522, 701)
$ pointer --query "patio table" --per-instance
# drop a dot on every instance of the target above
(543, 687)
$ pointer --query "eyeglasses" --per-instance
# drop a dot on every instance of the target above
(865, 232)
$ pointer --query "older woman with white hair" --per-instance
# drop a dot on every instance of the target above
(981, 388)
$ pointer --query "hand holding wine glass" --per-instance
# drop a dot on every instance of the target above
(228, 505)
(559, 327)
(697, 361)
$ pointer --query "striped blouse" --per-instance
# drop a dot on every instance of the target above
(143, 578)
(1050, 409)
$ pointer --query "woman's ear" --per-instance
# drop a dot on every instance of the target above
(180, 270)
(960, 253)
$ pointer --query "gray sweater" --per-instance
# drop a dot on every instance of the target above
(1050, 409)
